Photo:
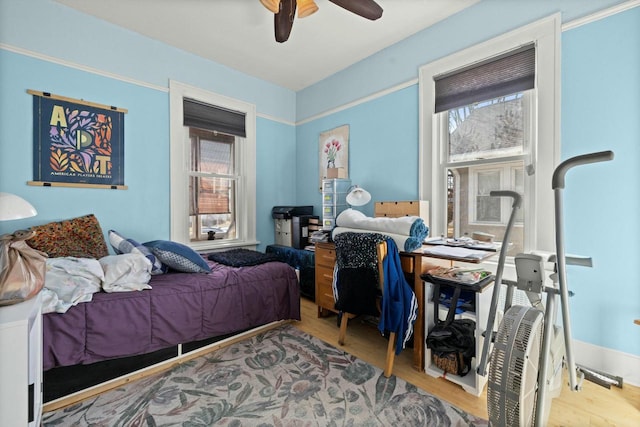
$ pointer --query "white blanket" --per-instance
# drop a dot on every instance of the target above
(69, 281)
(126, 272)
(352, 218)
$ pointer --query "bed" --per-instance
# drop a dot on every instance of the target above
(117, 333)
(180, 308)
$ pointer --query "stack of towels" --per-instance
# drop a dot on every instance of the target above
(408, 231)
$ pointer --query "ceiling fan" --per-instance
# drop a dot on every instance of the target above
(285, 12)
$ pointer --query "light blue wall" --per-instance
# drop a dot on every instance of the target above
(276, 172)
(400, 62)
(601, 111)
(383, 156)
(146, 149)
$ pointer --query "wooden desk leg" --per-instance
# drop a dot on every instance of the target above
(418, 327)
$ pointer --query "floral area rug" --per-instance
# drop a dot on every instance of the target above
(281, 377)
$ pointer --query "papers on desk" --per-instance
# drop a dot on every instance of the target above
(465, 243)
(457, 252)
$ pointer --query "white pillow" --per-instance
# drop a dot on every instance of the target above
(126, 272)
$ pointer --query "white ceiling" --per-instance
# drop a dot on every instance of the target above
(240, 35)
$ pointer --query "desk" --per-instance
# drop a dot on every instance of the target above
(472, 382)
(414, 264)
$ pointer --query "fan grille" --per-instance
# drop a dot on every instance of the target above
(513, 371)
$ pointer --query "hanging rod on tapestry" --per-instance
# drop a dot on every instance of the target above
(77, 101)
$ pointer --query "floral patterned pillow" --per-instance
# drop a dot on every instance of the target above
(78, 237)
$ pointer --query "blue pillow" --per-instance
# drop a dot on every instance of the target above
(122, 245)
(178, 256)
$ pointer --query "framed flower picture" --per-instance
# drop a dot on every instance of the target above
(334, 153)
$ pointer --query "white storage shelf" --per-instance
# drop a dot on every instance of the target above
(21, 364)
(472, 382)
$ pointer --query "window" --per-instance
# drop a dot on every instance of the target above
(486, 145)
(212, 169)
(212, 185)
(489, 121)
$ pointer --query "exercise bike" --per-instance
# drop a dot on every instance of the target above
(529, 347)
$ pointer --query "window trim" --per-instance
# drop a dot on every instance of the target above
(545, 137)
(507, 177)
(179, 166)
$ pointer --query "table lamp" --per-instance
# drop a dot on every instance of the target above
(15, 207)
(358, 196)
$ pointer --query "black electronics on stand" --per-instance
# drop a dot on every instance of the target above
(292, 225)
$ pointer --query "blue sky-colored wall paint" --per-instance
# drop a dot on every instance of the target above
(66, 34)
(400, 62)
(383, 156)
(600, 110)
(146, 149)
(284, 148)
(276, 172)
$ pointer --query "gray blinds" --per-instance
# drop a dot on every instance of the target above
(505, 74)
(204, 116)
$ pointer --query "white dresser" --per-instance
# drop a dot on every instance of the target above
(21, 363)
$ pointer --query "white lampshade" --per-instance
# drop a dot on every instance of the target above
(358, 197)
(14, 207)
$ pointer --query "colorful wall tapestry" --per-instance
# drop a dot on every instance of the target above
(77, 143)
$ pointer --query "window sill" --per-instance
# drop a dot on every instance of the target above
(209, 245)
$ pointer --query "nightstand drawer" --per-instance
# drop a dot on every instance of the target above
(325, 261)
(325, 256)
(325, 299)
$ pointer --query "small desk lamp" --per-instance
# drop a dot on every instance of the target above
(358, 196)
(14, 207)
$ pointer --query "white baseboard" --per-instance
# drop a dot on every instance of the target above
(624, 365)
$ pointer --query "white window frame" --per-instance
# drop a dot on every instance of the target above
(507, 179)
(180, 146)
(545, 137)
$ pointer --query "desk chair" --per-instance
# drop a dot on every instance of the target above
(388, 366)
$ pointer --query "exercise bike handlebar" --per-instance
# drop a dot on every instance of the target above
(517, 198)
(558, 175)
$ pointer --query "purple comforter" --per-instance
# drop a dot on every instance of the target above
(181, 307)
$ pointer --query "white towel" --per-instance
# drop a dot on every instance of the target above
(352, 218)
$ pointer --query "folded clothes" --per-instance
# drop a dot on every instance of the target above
(404, 243)
(412, 226)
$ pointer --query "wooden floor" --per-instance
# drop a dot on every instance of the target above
(592, 406)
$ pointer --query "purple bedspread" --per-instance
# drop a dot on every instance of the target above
(181, 307)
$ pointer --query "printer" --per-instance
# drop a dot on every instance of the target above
(292, 225)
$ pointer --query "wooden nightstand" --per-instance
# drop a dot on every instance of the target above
(325, 262)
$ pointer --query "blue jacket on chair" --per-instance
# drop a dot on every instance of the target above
(399, 303)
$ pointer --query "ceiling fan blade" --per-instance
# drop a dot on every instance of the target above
(283, 20)
(366, 8)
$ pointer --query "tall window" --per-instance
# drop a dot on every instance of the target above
(489, 121)
(212, 185)
(212, 169)
(486, 145)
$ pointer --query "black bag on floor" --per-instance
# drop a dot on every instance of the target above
(452, 342)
